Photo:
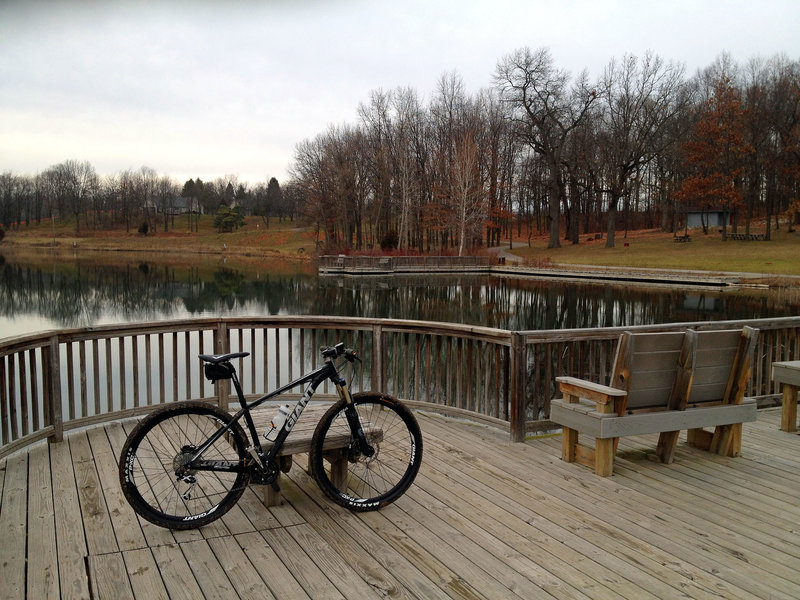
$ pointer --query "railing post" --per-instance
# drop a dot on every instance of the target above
(53, 386)
(518, 403)
(377, 359)
(221, 346)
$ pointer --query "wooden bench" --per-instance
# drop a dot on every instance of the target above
(682, 238)
(661, 383)
(299, 442)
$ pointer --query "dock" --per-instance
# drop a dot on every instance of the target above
(485, 518)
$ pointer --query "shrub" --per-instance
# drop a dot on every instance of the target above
(390, 241)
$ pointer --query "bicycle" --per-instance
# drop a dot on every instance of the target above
(187, 464)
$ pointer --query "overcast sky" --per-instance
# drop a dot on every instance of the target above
(200, 88)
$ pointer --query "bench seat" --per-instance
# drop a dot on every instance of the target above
(584, 417)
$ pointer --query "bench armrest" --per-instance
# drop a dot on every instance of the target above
(578, 388)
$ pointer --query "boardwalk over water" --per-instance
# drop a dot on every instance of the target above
(486, 518)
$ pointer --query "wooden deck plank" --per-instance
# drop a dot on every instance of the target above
(42, 551)
(109, 578)
(334, 566)
(100, 538)
(72, 577)
(569, 513)
(485, 519)
(211, 577)
(246, 581)
(13, 524)
(479, 507)
(484, 555)
(124, 521)
(297, 561)
(143, 574)
(383, 568)
(176, 573)
(278, 578)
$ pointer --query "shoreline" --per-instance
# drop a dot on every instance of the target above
(514, 266)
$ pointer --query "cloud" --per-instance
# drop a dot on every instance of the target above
(209, 88)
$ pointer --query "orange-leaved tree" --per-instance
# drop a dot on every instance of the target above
(715, 156)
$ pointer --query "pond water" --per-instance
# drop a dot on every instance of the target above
(79, 292)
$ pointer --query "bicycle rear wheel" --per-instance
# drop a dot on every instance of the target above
(347, 475)
(153, 473)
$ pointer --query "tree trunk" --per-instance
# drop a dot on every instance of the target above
(611, 223)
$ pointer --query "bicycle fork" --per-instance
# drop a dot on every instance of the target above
(352, 418)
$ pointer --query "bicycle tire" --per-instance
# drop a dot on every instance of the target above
(370, 483)
(153, 452)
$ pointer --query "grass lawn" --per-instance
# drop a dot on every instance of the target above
(286, 239)
(295, 240)
(779, 256)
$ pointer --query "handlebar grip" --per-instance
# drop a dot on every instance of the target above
(333, 351)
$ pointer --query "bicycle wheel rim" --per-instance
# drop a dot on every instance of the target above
(372, 482)
(149, 462)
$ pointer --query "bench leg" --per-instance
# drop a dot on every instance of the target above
(604, 456)
(667, 442)
(569, 443)
(789, 408)
(699, 438)
(338, 462)
(271, 497)
(727, 440)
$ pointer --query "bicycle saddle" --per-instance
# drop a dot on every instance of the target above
(215, 359)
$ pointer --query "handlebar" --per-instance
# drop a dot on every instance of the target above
(339, 350)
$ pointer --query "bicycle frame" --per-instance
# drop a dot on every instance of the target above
(327, 371)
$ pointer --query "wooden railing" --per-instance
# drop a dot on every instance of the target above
(58, 380)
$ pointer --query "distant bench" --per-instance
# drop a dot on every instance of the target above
(661, 383)
(682, 238)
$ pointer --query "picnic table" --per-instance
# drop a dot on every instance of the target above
(753, 237)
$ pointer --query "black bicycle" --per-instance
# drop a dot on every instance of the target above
(186, 464)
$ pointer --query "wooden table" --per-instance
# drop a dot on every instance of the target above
(788, 375)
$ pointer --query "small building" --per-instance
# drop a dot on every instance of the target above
(710, 217)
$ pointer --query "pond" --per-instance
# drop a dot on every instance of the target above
(82, 292)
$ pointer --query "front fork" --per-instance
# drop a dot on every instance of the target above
(352, 418)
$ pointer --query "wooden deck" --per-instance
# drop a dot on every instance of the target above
(485, 519)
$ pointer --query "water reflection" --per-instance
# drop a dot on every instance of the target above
(79, 293)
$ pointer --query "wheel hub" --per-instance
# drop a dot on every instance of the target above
(182, 459)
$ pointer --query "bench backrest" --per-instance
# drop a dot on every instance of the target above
(648, 366)
(722, 364)
(645, 367)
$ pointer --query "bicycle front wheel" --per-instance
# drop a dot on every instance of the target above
(154, 474)
(360, 480)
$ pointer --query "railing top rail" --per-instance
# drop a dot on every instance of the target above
(501, 336)
(553, 335)
(15, 344)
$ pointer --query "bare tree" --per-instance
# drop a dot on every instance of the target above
(165, 194)
(469, 200)
(546, 109)
(640, 98)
